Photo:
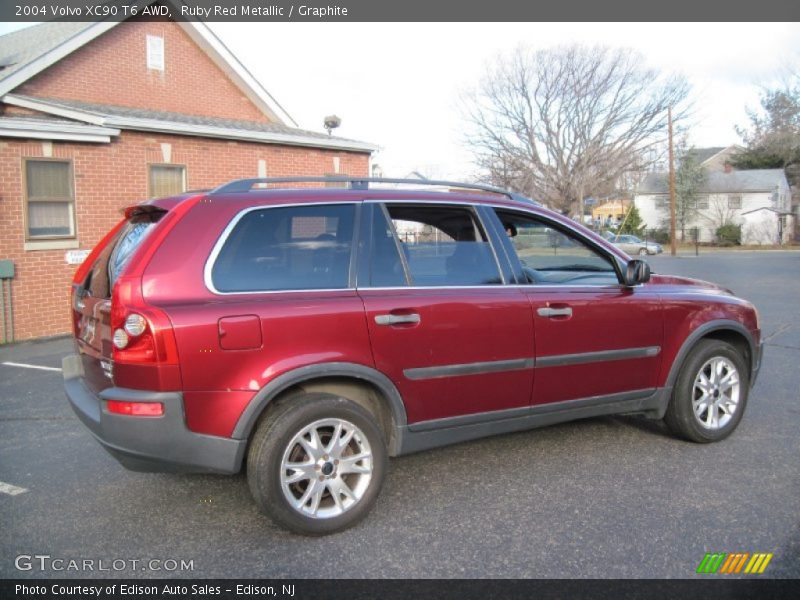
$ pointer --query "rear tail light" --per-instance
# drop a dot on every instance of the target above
(142, 334)
(120, 339)
(136, 409)
(135, 324)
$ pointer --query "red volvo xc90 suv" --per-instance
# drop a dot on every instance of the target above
(311, 333)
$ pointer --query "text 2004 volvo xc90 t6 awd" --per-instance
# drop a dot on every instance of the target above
(311, 333)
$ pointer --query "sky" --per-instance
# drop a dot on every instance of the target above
(397, 85)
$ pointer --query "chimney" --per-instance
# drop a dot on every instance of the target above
(728, 167)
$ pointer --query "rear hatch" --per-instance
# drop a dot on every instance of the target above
(92, 287)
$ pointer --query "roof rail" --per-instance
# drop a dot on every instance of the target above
(362, 183)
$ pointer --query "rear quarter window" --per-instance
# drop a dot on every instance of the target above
(286, 248)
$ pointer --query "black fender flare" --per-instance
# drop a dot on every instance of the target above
(262, 399)
(704, 330)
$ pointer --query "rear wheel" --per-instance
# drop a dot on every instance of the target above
(316, 464)
(710, 394)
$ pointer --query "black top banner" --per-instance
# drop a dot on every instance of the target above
(400, 10)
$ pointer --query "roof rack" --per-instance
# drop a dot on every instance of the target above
(362, 183)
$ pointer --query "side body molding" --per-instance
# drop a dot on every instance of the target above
(270, 391)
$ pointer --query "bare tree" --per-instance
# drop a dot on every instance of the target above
(565, 123)
(719, 213)
(690, 176)
(773, 137)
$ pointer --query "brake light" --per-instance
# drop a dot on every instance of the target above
(136, 409)
(140, 333)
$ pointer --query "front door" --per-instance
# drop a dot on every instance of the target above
(594, 336)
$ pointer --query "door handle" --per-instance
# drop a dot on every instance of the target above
(555, 312)
(396, 319)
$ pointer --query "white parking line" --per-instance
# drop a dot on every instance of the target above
(24, 366)
(11, 490)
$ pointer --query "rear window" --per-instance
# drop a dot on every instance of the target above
(287, 248)
(116, 256)
(132, 237)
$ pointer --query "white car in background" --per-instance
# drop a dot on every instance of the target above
(633, 245)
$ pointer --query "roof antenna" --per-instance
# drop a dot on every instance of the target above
(332, 122)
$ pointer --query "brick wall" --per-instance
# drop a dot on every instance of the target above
(109, 177)
(112, 69)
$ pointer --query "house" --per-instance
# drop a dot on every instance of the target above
(610, 211)
(758, 200)
(716, 158)
(95, 117)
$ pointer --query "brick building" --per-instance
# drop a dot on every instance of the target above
(95, 117)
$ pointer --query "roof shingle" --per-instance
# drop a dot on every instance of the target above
(716, 182)
(157, 115)
(19, 48)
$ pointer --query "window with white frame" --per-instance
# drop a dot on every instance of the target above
(155, 52)
(734, 201)
(702, 203)
(49, 199)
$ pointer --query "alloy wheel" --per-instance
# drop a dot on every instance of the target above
(716, 393)
(326, 468)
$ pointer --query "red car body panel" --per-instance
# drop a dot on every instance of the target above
(457, 327)
(603, 319)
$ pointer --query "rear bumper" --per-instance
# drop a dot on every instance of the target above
(154, 444)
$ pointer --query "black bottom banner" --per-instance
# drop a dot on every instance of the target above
(389, 589)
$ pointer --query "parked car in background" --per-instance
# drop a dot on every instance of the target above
(633, 245)
(309, 334)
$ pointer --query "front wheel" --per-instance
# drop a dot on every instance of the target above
(710, 394)
(316, 465)
(643, 252)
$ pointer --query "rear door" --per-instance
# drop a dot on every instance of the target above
(594, 336)
(91, 300)
(452, 337)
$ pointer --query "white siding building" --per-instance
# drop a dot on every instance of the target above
(758, 200)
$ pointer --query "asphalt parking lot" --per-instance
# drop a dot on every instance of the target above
(608, 497)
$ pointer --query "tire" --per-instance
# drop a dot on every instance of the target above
(643, 252)
(319, 498)
(710, 394)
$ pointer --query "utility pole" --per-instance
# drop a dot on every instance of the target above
(672, 241)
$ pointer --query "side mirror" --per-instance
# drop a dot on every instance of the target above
(637, 271)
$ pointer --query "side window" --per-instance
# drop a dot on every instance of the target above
(552, 257)
(288, 248)
(385, 266)
(444, 246)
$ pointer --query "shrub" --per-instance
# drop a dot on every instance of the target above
(659, 236)
(729, 234)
